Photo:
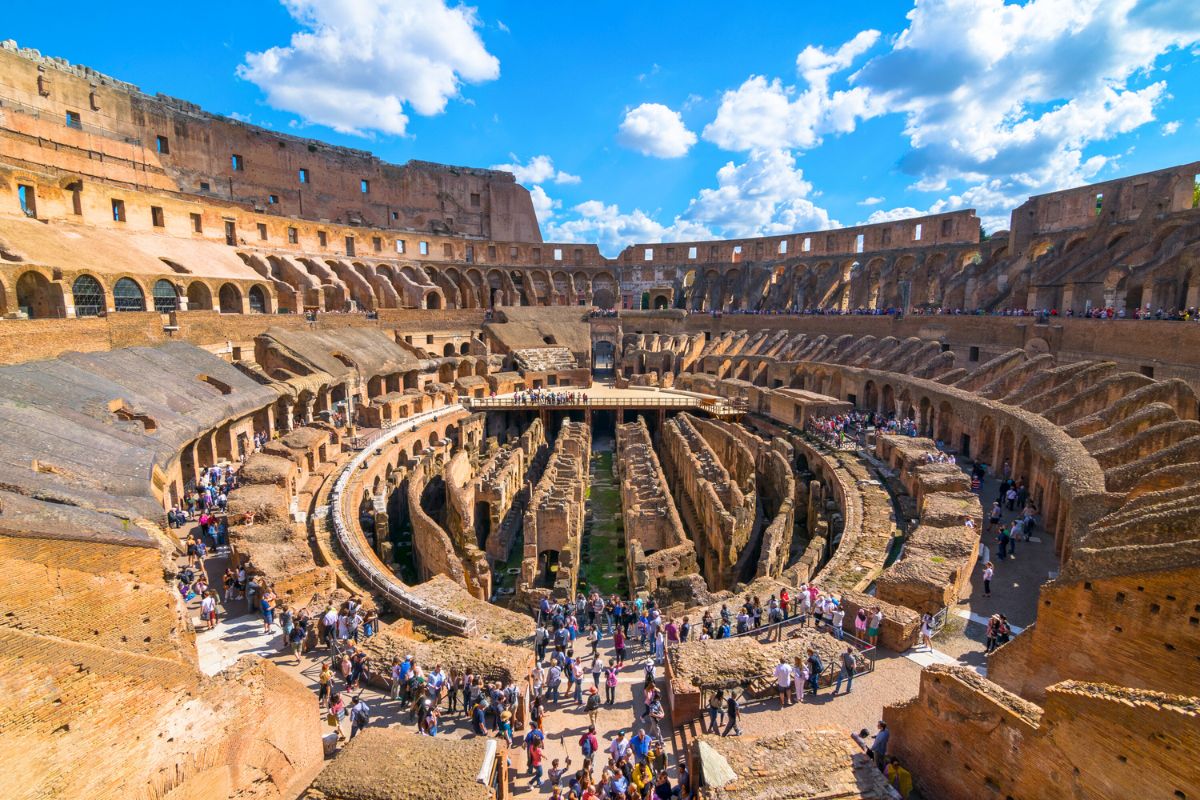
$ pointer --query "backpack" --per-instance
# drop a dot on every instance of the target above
(593, 702)
(818, 667)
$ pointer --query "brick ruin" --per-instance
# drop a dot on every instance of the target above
(553, 525)
(165, 302)
(656, 546)
(718, 503)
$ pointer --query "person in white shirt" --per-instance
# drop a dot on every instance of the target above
(839, 616)
(783, 680)
(208, 611)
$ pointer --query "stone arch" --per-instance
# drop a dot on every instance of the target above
(448, 349)
(128, 295)
(944, 428)
(987, 441)
(887, 397)
(1005, 451)
(259, 299)
(464, 349)
(165, 295)
(870, 397)
(199, 296)
(925, 416)
(432, 300)
(1022, 465)
(229, 298)
(39, 297)
(1073, 242)
(89, 297)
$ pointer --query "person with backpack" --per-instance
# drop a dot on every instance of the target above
(592, 705)
(846, 672)
(360, 716)
(815, 668)
(588, 743)
(610, 684)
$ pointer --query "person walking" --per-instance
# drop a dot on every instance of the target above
(846, 672)
(734, 713)
(988, 572)
(716, 710)
(927, 631)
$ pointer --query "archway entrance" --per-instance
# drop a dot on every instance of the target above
(603, 359)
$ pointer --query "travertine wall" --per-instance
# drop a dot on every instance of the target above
(964, 737)
(656, 546)
(1137, 629)
(122, 123)
(102, 696)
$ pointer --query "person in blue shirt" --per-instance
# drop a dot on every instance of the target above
(640, 744)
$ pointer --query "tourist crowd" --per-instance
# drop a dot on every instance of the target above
(544, 397)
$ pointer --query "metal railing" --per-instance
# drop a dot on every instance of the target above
(584, 401)
(352, 544)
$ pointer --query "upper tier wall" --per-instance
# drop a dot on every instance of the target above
(171, 144)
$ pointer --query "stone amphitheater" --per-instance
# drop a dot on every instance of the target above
(376, 422)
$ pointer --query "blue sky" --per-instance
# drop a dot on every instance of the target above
(680, 120)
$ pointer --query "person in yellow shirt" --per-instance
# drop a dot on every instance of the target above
(899, 777)
(643, 776)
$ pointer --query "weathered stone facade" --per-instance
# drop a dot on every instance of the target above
(718, 504)
(656, 547)
(554, 519)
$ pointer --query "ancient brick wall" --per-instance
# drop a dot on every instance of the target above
(965, 737)
(201, 146)
(718, 508)
(434, 551)
(656, 546)
(1138, 630)
(555, 514)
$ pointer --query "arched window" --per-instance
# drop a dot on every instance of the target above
(128, 296)
(165, 299)
(199, 297)
(258, 300)
(89, 296)
(230, 299)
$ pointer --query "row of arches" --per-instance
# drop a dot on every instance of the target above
(42, 298)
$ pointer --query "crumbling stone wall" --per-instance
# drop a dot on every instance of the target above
(1131, 629)
(460, 523)
(959, 737)
(555, 515)
(499, 480)
(656, 546)
(432, 546)
(719, 504)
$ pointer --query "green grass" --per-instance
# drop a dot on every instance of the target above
(603, 564)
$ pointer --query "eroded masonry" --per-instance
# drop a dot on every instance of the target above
(408, 408)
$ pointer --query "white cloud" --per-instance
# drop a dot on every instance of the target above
(539, 169)
(764, 113)
(543, 205)
(871, 201)
(1171, 128)
(356, 65)
(765, 195)
(655, 130)
(993, 90)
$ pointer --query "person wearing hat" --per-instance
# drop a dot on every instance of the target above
(593, 705)
(506, 729)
